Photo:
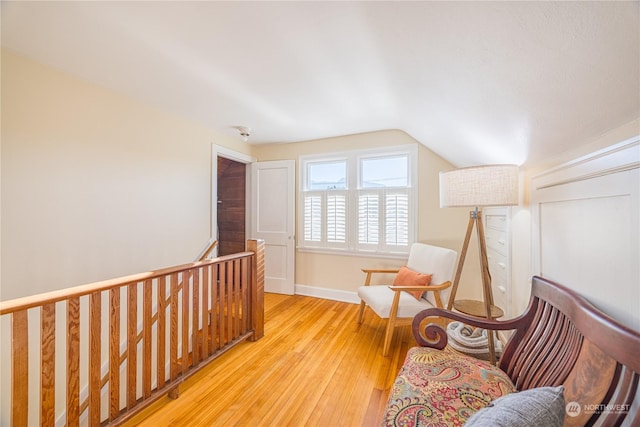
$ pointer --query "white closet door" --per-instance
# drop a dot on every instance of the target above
(273, 220)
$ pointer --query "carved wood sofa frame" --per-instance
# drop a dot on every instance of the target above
(561, 338)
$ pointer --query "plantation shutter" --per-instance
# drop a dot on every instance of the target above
(336, 218)
(397, 219)
(313, 217)
(368, 219)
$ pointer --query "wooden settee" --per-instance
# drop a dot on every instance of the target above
(560, 340)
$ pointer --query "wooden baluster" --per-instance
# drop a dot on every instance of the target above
(243, 290)
(229, 311)
(173, 345)
(214, 308)
(132, 343)
(114, 353)
(195, 317)
(73, 362)
(20, 368)
(147, 301)
(48, 364)
(236, 294)
(206, 331)
(222, 298)
(162, 330)
(230, 300)
(94, 358)
(185, 320)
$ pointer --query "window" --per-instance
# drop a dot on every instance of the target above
(359, 201)
(329, 175)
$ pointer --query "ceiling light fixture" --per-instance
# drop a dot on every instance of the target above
(245, 132)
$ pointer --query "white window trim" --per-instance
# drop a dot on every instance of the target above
(353, 158)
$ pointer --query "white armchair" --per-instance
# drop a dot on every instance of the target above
(395, 303)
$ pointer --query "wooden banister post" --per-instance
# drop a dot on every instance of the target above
(257, 288)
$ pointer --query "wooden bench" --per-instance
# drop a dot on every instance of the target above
(561, 339)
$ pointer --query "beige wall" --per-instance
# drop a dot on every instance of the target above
(95, 185)
(443, 227)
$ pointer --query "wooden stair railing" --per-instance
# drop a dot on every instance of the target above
(211, 245)
(129, 341)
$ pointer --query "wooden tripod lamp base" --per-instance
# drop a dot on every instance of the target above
(484, 308)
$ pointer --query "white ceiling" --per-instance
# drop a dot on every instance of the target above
(477, 82)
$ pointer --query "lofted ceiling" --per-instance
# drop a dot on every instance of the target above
(476, 82)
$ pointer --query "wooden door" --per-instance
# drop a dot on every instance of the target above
(231, 206)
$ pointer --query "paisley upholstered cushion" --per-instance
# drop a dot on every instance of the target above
(442, 388)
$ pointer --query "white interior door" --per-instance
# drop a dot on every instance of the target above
(272, 220)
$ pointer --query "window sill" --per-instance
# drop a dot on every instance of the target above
(360, 254)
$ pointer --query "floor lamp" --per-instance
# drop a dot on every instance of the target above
(481, 186)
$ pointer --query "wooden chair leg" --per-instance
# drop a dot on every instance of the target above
(367, 282)
(361, 314)
(391, 323)
(387, 336)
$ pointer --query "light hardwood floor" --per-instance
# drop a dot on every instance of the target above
(315, 366)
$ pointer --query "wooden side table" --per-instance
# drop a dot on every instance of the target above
(479, 309)
(476, 308)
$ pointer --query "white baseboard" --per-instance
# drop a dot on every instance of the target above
(332, 294)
